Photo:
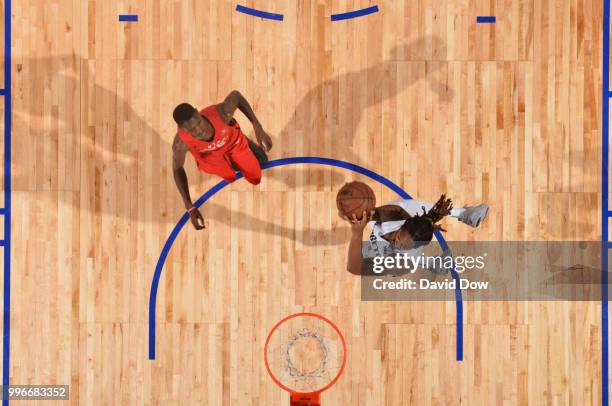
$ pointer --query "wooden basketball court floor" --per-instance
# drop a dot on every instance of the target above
(506, 113)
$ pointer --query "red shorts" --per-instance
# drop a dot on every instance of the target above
(220, 163)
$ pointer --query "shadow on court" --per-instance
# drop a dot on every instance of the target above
(323, 111)
(101, 152)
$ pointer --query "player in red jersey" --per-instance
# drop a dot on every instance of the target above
(218, 145)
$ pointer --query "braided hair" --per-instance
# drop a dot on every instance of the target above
(422, 226)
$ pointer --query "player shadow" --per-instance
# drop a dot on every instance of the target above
(315, 101)
(310, 115)
(119, 139)
(577, 282)
(99, 137)
(113, 179)
(312, 237)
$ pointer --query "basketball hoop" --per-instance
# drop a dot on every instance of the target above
(305, 354)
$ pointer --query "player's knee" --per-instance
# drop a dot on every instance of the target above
(254, 181)
(354, 271)
(253, 176)
(229, 179)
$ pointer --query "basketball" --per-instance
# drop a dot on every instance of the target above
(355, 198)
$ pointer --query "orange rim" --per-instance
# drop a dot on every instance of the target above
(333, 381)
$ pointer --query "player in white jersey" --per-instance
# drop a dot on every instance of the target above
(404, 226)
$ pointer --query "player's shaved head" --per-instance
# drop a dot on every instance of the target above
(182, 113)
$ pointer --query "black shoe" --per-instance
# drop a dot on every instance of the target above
(259, 153)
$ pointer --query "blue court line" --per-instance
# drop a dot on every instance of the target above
(128, 17)
(2, 92)
(354, 14)
(485, 19)
(280, 162)
(6, 324)
(609, 213)
(605, 205)
(259, 13)
(458, 299)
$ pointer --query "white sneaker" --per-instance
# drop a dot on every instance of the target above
(473, 216)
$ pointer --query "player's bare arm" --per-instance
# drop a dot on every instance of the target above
(235, 100)
(179, 151)
(354, 252)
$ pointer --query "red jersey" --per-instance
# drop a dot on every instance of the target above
(225, 138)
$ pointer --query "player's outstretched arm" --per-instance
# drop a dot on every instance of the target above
(353, 263)
(179, 151)
(235, 100)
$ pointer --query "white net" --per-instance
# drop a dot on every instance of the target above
(305, 354)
